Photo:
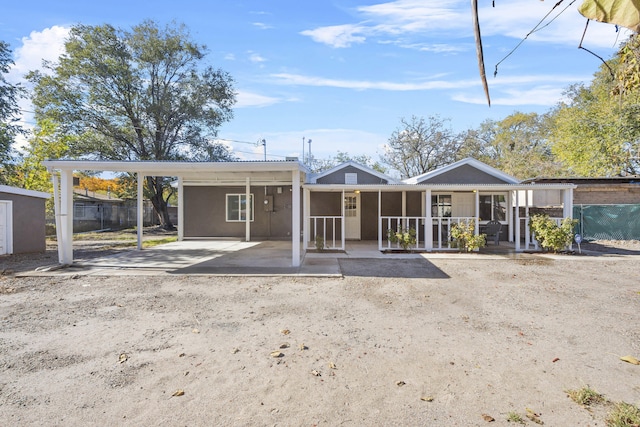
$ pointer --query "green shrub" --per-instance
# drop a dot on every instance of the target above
(405, 237)
(465, 238)
(549, 235)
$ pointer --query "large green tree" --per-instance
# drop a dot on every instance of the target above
(596, 131)
(143, 94)
(319, 165)
(519, 145)
(9, 111)
(421, 145)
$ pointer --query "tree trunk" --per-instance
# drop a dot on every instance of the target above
(155, 188)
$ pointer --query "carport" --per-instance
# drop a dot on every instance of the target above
(242, 175)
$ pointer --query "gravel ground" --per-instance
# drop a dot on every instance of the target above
(470, 341)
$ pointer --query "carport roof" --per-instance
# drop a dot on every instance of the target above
(172, 168)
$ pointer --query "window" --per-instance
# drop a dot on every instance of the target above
(441, 205)
(350, 206)
(237, 207)
(493, 207)
(351, 178)
(78, 210)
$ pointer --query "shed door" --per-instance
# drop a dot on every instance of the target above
(5, 210)
(352, 216)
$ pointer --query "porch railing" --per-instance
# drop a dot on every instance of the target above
(440, 231)
(328, 229)
(399, 224)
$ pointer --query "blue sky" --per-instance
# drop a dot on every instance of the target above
(343, 73)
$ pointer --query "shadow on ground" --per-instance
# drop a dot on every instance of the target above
(415, 268)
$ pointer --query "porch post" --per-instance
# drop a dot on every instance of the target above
(66, 216)
(180, 208)
(306, 213)
(517, 220)
(140, 208)
(404, 211)
(527, 234)
(428, 223)
(477, 208)
(567, 203)
(343, 226)
(510, 215)
(295, 218)
(379, 220)
(249, 207)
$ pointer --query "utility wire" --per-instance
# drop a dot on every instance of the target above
(537, 28)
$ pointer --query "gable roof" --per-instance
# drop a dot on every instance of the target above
(22, 192)
(351, 164)
(468, 162)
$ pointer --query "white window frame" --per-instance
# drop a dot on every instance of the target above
(240, 197)
(506, 211)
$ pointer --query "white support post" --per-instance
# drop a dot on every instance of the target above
(306, 213)
(66, 216)
(180, 208)
(295, 218)
(527, 232)
(517, 221)
(379, 220)
(140, 208)
(477, 209)
(510, 215)
(343, 226)
(428, 235)
(567, 203)
(248, 209)
(404, 211)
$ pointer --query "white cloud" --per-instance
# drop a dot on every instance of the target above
(250, 99)
(47, 44)
(256, 58)
(337, 35)
(262, 25)
(539, 95)
(452, 19)
(300, 80)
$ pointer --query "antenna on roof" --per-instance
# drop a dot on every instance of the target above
(263, 142)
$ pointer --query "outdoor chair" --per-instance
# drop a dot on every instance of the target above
(493, 230)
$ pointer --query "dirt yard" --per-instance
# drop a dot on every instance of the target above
(473, 340)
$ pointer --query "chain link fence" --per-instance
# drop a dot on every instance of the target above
(608, 222)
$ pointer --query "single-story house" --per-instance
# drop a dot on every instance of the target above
(284, 200)
(22, 220)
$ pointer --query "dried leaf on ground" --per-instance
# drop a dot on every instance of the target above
(285, 331)
(316, 373)
(488, 418)
(178, 393)
(427, 398)
(630, 359)
(534, 417)
(284, 345)
(400, 383)
(277, 354)
(123, 358)
(332, 365)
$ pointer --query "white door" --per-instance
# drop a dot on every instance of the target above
(4, 227)
(352, 216)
